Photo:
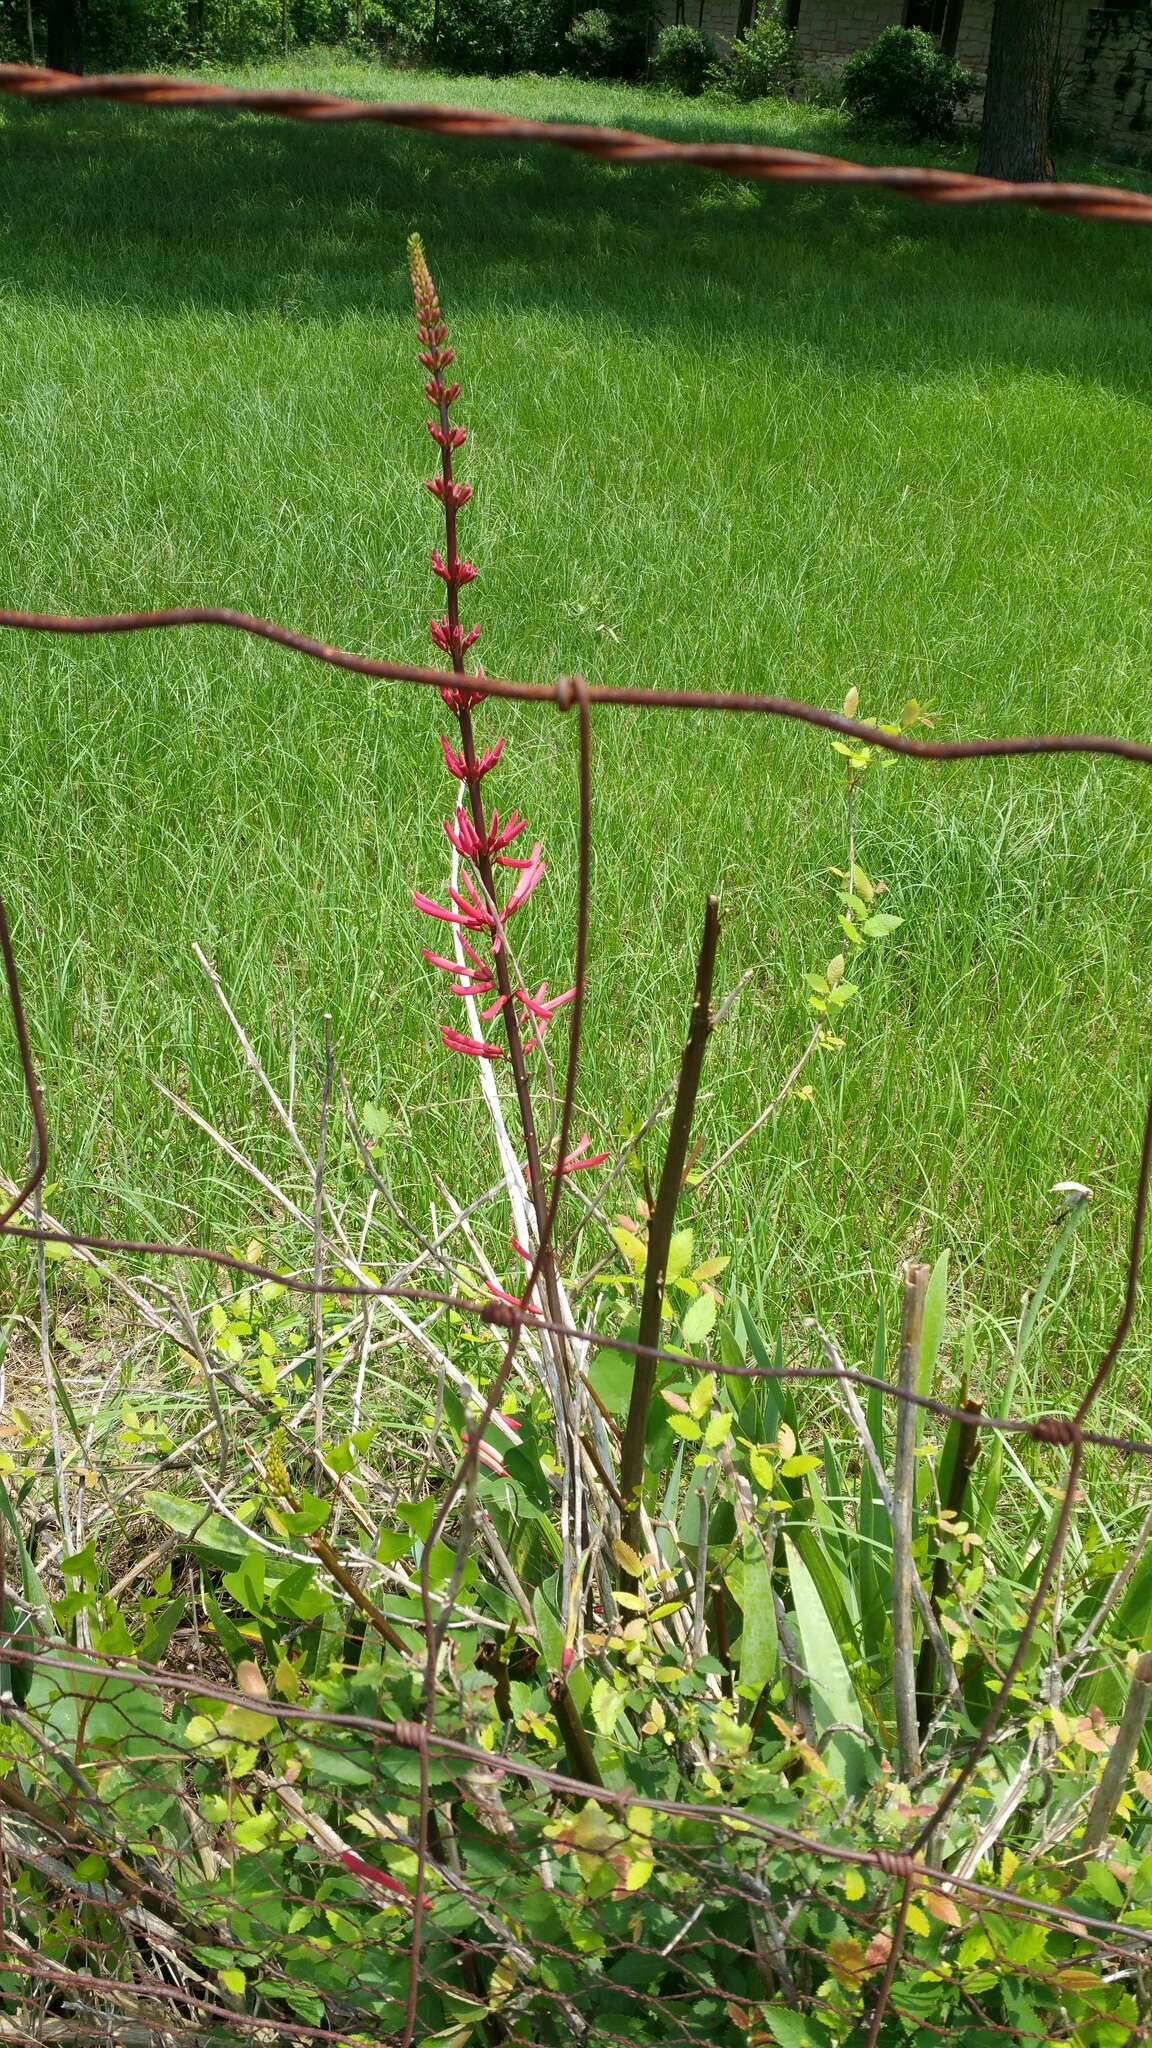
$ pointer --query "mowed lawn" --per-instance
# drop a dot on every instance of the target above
(722, 435)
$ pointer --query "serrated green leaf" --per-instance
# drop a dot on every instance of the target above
(699, 1320)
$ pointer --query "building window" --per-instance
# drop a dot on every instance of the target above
(939, 18)
(926, 14)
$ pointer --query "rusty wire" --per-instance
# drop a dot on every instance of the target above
(610, 145)
(1067, 1432)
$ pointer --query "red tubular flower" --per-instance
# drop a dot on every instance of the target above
(472, 915)
(447, 437)
(533, 873)
(542, 1005)
(476, 1048)
(456, 572)
(458, 766)
(375, 1875)
(500, 836)
(576, 1162)
(453, 494)
(489, 1458)
(454, 640)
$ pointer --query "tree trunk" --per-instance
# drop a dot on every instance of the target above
(64, 46)
(1022, 54)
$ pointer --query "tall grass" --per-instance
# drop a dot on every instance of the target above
(790, 440)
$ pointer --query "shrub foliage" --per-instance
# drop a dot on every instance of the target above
(904, 81)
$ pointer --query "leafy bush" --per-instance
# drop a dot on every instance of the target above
(758, 64)
(498, 36)
(903, 79)
(592, 44)
(682, 58)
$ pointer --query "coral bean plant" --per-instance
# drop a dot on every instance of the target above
(482, 972)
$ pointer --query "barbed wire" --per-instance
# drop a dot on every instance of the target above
(610, 145)
(714, 1872)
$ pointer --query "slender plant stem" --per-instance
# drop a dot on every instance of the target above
(318, 1240)
(660, 1231)
(903, 1497)
(1120, 1757)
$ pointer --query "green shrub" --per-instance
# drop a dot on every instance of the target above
(682, 58)
(758, 64)
(903, 79)
(592, 44)
(498, 36)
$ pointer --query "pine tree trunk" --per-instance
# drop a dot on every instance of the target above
(1014, 138)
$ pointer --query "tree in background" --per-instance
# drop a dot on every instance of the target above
(64, 34)
(1022, 53)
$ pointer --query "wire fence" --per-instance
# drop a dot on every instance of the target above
(415, 1852)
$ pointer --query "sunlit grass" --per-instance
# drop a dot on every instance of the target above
(722, 435)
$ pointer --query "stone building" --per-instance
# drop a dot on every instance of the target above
(1105, 79)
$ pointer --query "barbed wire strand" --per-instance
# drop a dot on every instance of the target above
(609, 145)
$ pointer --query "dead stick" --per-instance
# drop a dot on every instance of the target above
(903, 1497)
(660, 1232)
(318, 1240)
(967, 1447)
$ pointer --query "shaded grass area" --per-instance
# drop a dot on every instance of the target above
(722, 435)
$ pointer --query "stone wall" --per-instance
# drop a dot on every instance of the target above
(1109, 93)
(1105, 82)
(829, 30)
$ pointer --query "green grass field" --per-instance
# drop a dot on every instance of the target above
(721, 435)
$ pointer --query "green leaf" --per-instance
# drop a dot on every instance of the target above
(679, 1254)
(791, 2029)
(612, 1372)
(759, 1644)
(834, 1702)
(607, 1706)
(935, 1309)
(550, 1631)
(219, 1541)
(880, 924)
(700, 1320)
(685, 1427)
(246, 1583)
